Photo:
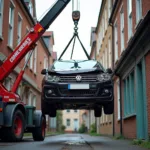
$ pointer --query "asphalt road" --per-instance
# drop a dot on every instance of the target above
(71, 142)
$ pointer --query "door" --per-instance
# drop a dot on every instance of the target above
(141, 113)
(76, 124)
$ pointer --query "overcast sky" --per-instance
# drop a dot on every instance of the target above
(63, 25)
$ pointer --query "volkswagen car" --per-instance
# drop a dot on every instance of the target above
(77, 84)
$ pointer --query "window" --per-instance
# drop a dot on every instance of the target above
(30, 7)
(122, 29)
(68, 122)
(1, 16)
(109, 8)
(129, 107)
(30, 99)
(68, 110)
(31, 60)
(105, 19)
(11, 24)
(103, 63)
(19, 90)
(109, 50)
(26, 57)
(106, 58)
(75, 110)
(103, 22)
(7, 83)
(34, 100)
(118, 98)
(116, 42)
(35, 59)
(129, 18)
(19, 28)
(45, 62)
(138, 10)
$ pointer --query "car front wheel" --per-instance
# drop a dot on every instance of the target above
(109, 108)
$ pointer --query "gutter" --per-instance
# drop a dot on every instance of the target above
(113, 10)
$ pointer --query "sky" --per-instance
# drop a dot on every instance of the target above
(63, 26)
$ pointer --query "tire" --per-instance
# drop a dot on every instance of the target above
(52, 113)
(98, 112)
(109, 108)
(38, 133)
(44, 107)
(16, 131)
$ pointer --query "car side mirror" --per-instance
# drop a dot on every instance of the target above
(44, 71)
(109, 70)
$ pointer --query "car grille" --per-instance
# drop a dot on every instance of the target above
(72, 79)
(78, 93)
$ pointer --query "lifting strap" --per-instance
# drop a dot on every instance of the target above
(74, 37)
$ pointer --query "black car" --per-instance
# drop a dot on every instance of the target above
(74, 84)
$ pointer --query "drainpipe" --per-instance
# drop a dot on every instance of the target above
(113, 128)
(121, 128)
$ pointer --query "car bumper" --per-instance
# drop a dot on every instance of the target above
(61, 93)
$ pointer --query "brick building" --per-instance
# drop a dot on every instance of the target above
(104, 55)
(130, 20)
(16, 18)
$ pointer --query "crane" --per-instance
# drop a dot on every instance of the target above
(16, 117)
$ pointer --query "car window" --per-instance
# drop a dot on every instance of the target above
(83, 64)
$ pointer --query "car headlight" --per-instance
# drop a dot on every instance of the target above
(53, 78)
(103, 77)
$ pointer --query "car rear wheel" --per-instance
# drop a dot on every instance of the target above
(98, 112)
(109, 108)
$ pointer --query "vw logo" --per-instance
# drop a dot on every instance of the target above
(78, 78)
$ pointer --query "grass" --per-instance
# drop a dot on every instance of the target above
(142, 143)
(94, 134)
(119, 137)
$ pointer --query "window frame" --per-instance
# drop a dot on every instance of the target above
(130, 24)
(35, 60)
(68, 122)
(122, 28)
(11, 24)
(118, 98)
(1, 17)
(116, 41)
(19, 30)
(138, 11)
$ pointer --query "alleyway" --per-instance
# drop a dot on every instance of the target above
(72, 142)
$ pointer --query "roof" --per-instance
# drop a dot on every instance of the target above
(100, 14)
(48, 33)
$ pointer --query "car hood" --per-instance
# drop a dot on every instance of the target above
(77, 71)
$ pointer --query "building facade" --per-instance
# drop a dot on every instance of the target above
(104, 56)
(130, 20)
(16, 19)
(71, 120)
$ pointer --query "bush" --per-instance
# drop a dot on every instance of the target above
(63, 127)
(83, 128)
(93, 128)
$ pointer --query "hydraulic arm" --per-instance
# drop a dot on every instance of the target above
(27, 44)
(35, 33)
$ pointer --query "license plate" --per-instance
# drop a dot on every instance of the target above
(78, 86)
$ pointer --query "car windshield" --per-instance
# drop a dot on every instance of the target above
(73, 65)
